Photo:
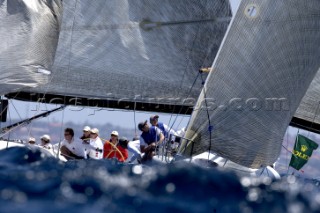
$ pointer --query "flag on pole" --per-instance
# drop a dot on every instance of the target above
(302, 151)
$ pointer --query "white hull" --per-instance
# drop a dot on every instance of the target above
(197, 160)
(206, 160)
(49, 152)
(7, 144)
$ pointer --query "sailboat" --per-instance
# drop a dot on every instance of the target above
(151, 56)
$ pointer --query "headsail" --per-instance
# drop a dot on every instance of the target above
(136, 51)
(262, 71)
(29, 32)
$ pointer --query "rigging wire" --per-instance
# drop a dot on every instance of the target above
(178, 126)
(314, 117)
(134, 119)
(46, 87)
(189, 92)
(10, 131)
(210, 126)
(61, 130)
(3, 110)
(287, 149)
(15, 109)
(183, 77)
(38, 102)
(207, 55)
(71, 38)
(287, 144)
(185, 98)
(207, 110)
(30, 127)
(290, 151)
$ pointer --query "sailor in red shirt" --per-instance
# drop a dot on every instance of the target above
(112, 148)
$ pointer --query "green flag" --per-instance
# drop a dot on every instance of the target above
(302, 151)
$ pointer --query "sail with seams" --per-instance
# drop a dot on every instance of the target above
(29, 33)
(258, 79)
(152, 50)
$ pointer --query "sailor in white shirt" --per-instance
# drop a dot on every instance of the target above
(133, 147)
(96, 151)
(86, 139)
(72, 148)
(45, 142)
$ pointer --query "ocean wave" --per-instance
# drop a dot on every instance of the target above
(31, 181)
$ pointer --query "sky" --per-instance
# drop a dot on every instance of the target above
(234, 5)
(124, 118)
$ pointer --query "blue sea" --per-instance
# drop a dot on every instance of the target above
(33, 182)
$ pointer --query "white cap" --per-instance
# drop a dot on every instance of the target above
(87, 128)
(32, 139)
(95, 131)
(45, 137)
(115, 133)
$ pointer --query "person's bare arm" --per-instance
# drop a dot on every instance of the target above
(142, 148)
(160, 140)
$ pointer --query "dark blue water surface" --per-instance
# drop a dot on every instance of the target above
(33, 182)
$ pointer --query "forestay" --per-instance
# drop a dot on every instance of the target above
(263, 69)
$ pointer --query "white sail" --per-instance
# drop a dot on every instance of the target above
(138, 51)
(262, 71)
(29, 32)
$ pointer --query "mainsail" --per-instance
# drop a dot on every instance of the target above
(144, 51)
(29, 32)
(262, 71)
